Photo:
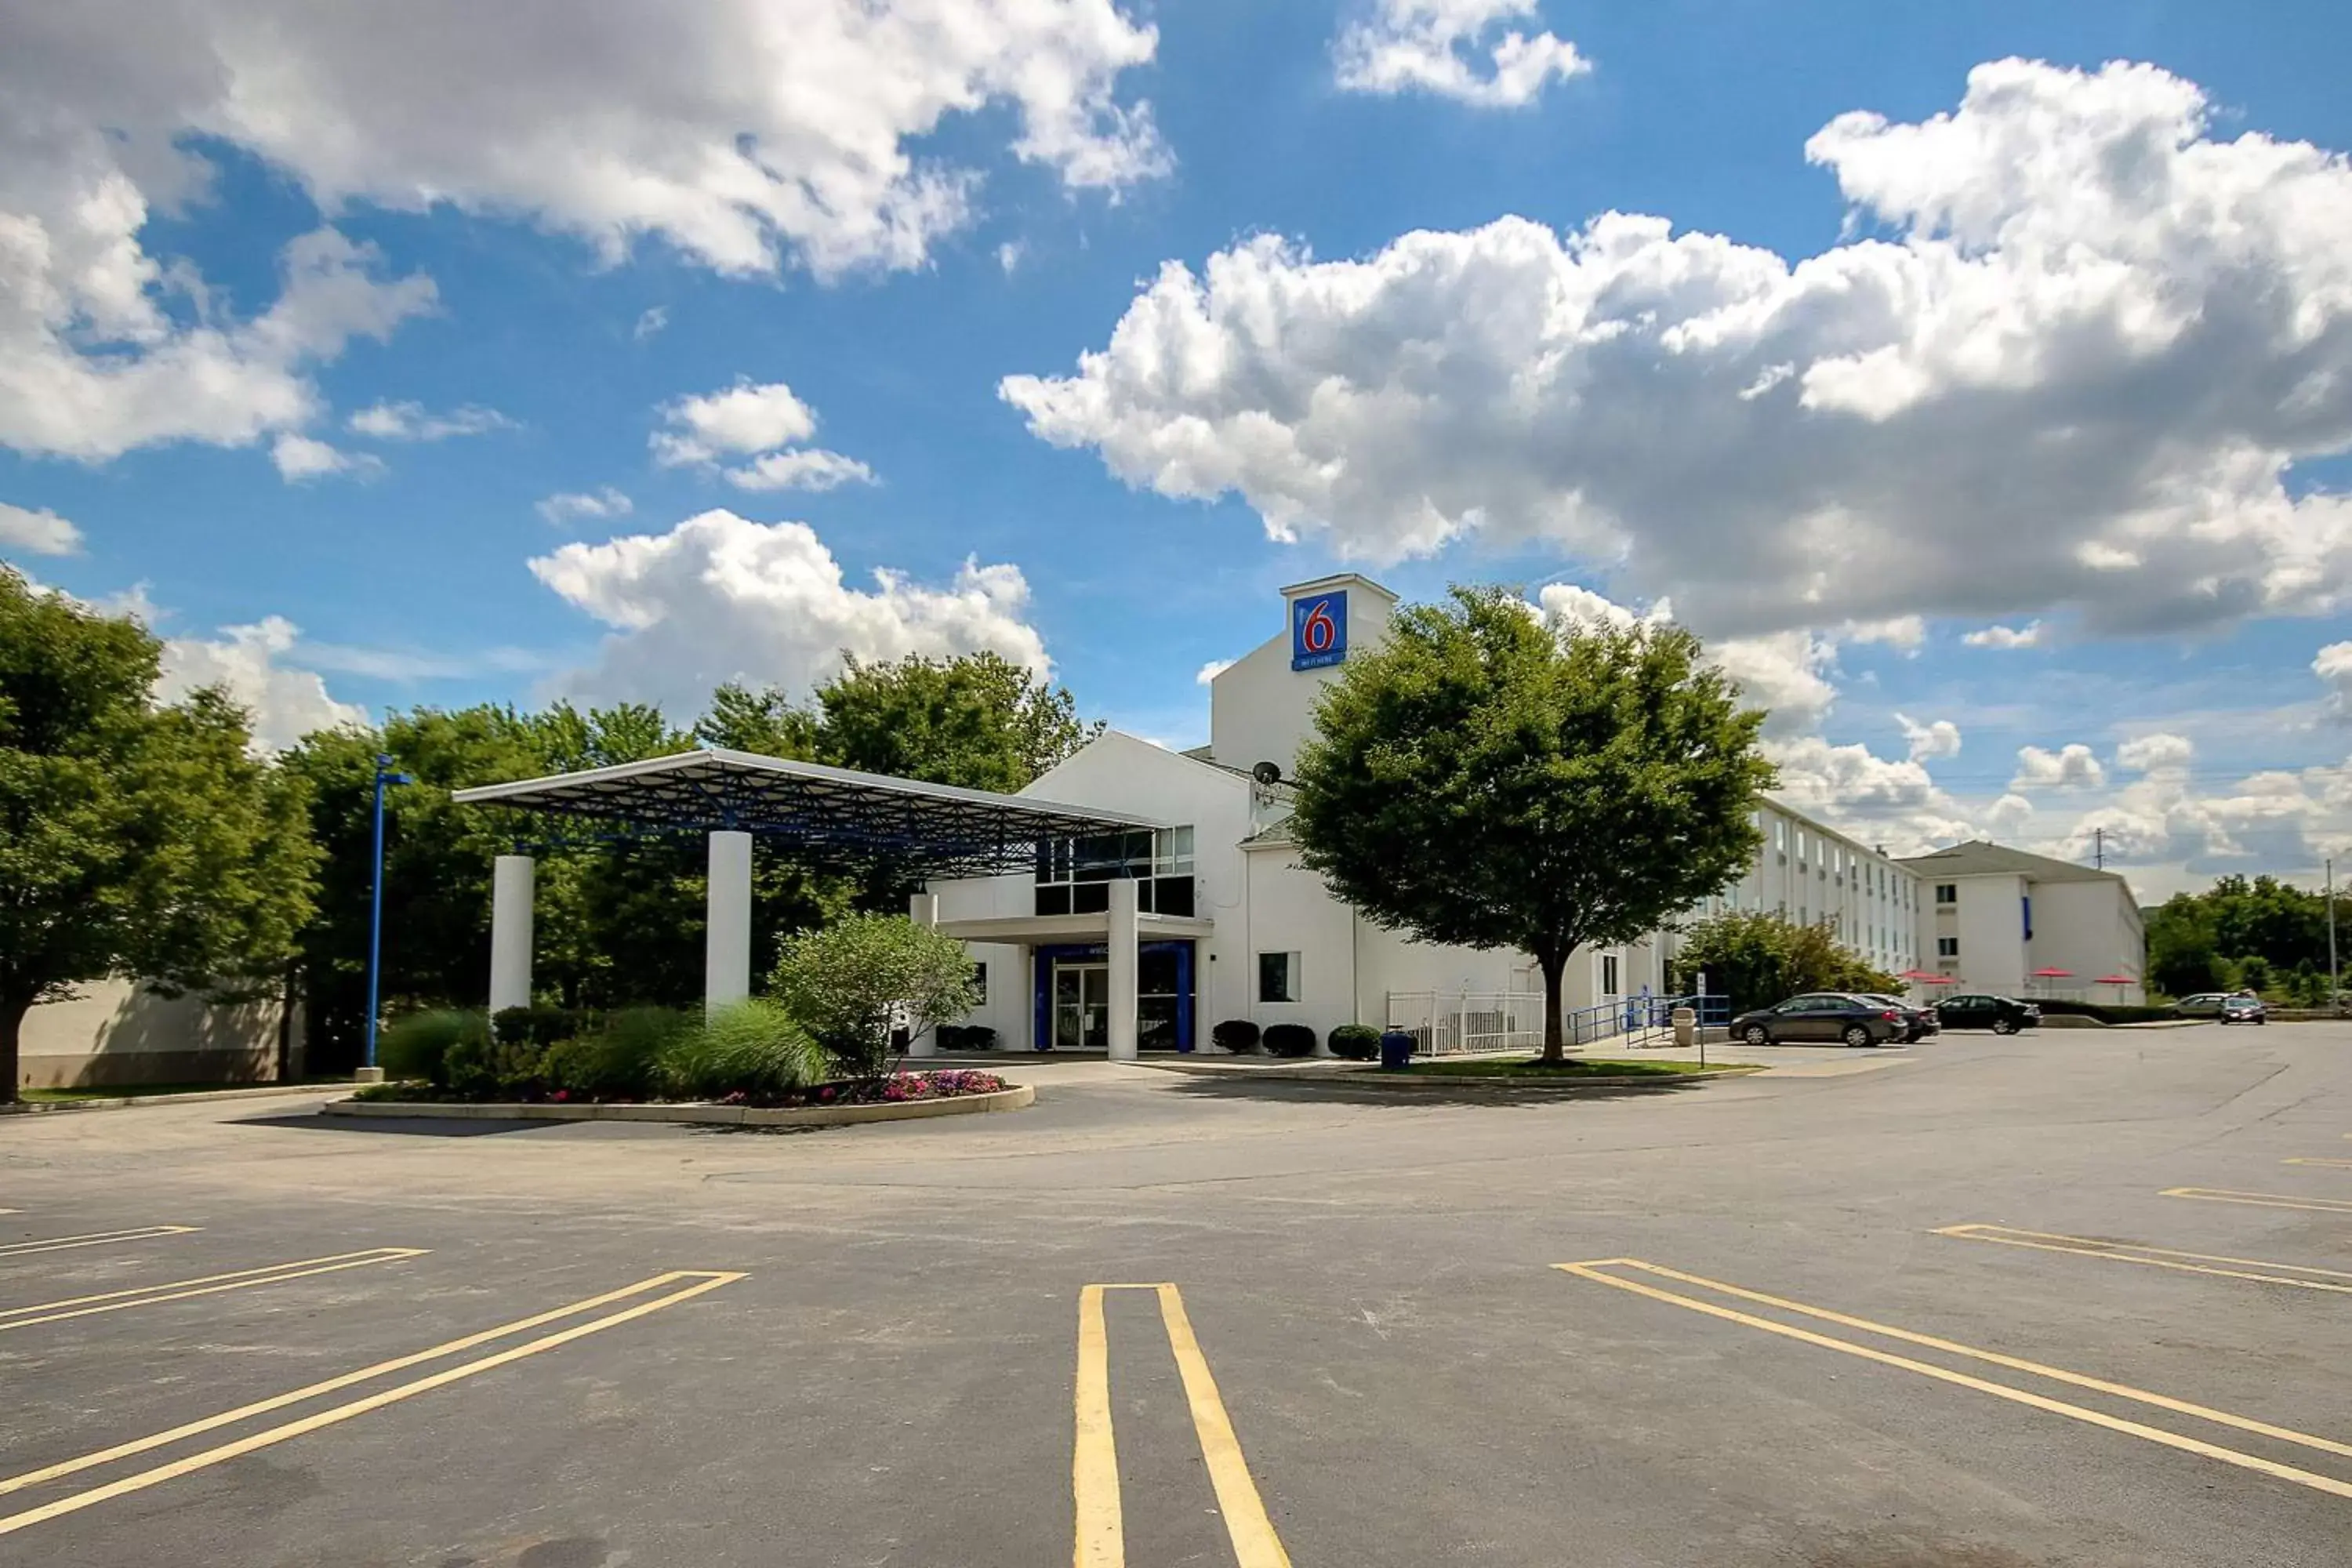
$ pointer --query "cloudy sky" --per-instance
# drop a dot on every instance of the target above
(1977, 379)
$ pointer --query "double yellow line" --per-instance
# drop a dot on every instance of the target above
(95, 1239)
(675, 1285)
(1599, 1271)
(206, 1285)
(1094, 1465)
(2255, 1268)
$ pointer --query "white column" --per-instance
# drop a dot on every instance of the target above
(510, 911)
(727, 942)
(923, 909)
(1122, 971)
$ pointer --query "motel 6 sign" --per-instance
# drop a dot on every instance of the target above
(1319, 630)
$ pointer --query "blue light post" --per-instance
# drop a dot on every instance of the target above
(384, 775)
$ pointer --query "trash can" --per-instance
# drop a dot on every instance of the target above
(1396, 1050)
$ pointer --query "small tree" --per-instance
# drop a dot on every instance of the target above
(853, 983)
(1486, 781)
(2254, 973)
(134, 840)
(1757, 959)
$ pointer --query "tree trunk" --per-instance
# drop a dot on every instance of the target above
(1555, 965)
(11, 1030)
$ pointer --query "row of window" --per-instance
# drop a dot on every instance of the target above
(1075, 875)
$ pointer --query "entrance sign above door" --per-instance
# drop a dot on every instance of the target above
(1319, 630)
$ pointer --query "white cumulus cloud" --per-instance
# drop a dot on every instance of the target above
(2158, 753)
(1211, 670)
(286, 703)
(1461, 49)
(568, 506)
(1939, 739)
(2027, 635)
(2333, 664)
(720, 597)
(762, 422)
(299, 458)
(413, 422)
(41, 532)
(2074, 372)
(2071, 767)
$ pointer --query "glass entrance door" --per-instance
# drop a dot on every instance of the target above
(1081, 1006)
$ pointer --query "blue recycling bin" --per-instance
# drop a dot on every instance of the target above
(1396, 1050)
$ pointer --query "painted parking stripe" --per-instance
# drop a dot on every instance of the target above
(2307, 1159)
(1093, 1466)
(207, 1285)
(2256, 1269)
(95, 1239)
(1595, 1270)
(704, 1280)
(2260, 1200)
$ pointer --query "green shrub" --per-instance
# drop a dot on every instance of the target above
(419, 1046)
(622, 1060)
(538, 1026)
(2105, 1011)
(752, 1047)
(1235, 1035)
(1357, 1042)
(1292, 1039)
(857, 982)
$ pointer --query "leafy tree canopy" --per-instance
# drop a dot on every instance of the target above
(852, 983)
(1486, 781)
(135, 840)
(1758, 959)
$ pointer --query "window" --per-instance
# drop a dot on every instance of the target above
(1277, 977)
(1947, 894)
(1779, 834)
(1074, 875)
(1948, 947)
(980, 982)
(1609, 974)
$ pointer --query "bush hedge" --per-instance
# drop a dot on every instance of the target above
(2104, 1011)
(752, 1047)
(535, 1026)
(1235, 1035)
(1357, 1042)
(965, 1038)
(1292, 1039)
(417, 1048)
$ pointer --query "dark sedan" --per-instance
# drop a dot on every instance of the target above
(2001, 1015)
(1823, 1018)
(1920, 1022)
(2244, 1010)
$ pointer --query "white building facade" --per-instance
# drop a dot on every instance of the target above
(1998, 920)
(1223, 923)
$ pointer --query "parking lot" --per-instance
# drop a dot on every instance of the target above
(2079, 1297)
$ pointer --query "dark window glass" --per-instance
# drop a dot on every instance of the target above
(1090, 898)
(1276, 978)
(1155, 975)
(1173, 895)
(1053, 900)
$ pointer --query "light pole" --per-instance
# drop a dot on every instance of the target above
(2335, 1004)
(384, 775)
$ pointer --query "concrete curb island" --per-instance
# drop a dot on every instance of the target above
(1354, 1075)
(1015, 1097)
(196, 1097)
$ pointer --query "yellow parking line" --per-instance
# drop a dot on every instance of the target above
(2260, 1200)
(209, 1284)
(705, 1280)
(1094, 1467)
(2153, 1257)
(1592, 1270)
(95, 1239)
(333, 1384)
(2306, 1159)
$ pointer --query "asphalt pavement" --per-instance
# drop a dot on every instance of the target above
(2079, 1297)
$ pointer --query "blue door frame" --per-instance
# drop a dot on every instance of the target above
(1041, 972)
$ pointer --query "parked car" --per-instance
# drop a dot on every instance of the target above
(2244, 1010)
(1823, 1018)
(1919, 1022)
(2204, 1005)
(2001, 1015)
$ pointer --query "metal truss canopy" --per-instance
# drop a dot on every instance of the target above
(830, 816)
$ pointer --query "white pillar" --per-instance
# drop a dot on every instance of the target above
(510, 911)
(1122, 971)
(923, 909)
(727, 942)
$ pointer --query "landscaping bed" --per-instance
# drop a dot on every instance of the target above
(1571, 1069)
(896, 1088)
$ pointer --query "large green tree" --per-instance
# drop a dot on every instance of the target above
(1756, 958)
(1486, 781)
(136, 840)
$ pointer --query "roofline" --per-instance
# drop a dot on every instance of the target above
(519, 791)
(1335, 580)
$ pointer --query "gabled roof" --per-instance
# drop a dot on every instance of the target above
(831, 815)
(1978, 857)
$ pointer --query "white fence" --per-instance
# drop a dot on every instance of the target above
(1446, 1023)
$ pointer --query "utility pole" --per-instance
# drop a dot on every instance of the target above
(2334, 1001)
(2099, 847)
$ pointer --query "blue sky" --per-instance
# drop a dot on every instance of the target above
(588, 271)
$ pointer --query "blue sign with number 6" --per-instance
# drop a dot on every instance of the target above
(1319, 630)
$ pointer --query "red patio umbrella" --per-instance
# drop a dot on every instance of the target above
(2118, 982)
(2053, 974)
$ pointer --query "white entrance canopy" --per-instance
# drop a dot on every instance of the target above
(829, 816)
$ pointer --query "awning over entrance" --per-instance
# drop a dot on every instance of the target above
(1049, 930)
(831, 815)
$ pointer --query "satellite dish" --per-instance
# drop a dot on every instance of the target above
(1267, 773)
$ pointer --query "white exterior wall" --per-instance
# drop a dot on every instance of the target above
(1989, 921)
(1811, 873)
(2093, 928)
(1261, 709)
(118, 1032)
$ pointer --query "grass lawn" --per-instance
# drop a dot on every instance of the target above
(140, 1090)
(1574, 1067)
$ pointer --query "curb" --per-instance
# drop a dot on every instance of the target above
(200, 1097)
(1374, 1078)
(1013, 1098)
